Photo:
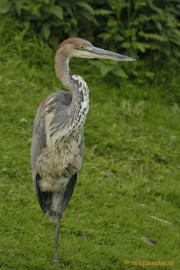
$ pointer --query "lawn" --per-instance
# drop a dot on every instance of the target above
(125, 206)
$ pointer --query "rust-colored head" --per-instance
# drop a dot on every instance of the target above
(79, 47)
(71, 46)
(76, 42)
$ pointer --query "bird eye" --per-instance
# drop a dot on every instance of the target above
(80, 47)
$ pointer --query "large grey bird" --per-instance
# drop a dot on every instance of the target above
(57, 141)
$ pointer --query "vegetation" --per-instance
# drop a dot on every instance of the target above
(126, 202)
(142, 29)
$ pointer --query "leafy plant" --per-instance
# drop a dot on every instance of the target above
(52, 20)
(141, 29)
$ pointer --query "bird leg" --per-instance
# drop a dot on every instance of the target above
(58, 226)
(56, 239)
(69, 171)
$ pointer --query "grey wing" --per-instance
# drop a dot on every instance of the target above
(57, 103)
(37, 145)
(38, 139)
(72, 182)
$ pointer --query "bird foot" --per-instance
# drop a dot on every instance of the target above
(70, 170)
(55, 260)
(73, 168)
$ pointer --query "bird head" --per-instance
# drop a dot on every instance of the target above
(78, 47)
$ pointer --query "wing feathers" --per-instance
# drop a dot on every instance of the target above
(69, 191)
(41, 196)
(57, 103)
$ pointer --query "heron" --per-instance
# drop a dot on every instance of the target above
(58, 138)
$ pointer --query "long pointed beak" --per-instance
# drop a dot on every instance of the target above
(100, 53)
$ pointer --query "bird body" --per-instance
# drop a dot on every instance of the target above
(58, 137)
(60, 155)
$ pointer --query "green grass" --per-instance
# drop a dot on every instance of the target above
(128, 189)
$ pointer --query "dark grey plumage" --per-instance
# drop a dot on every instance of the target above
(59, 104)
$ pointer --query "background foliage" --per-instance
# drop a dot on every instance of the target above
(126, 203)
(143, 29)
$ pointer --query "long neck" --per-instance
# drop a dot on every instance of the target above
(63, 72)
(78, 88)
